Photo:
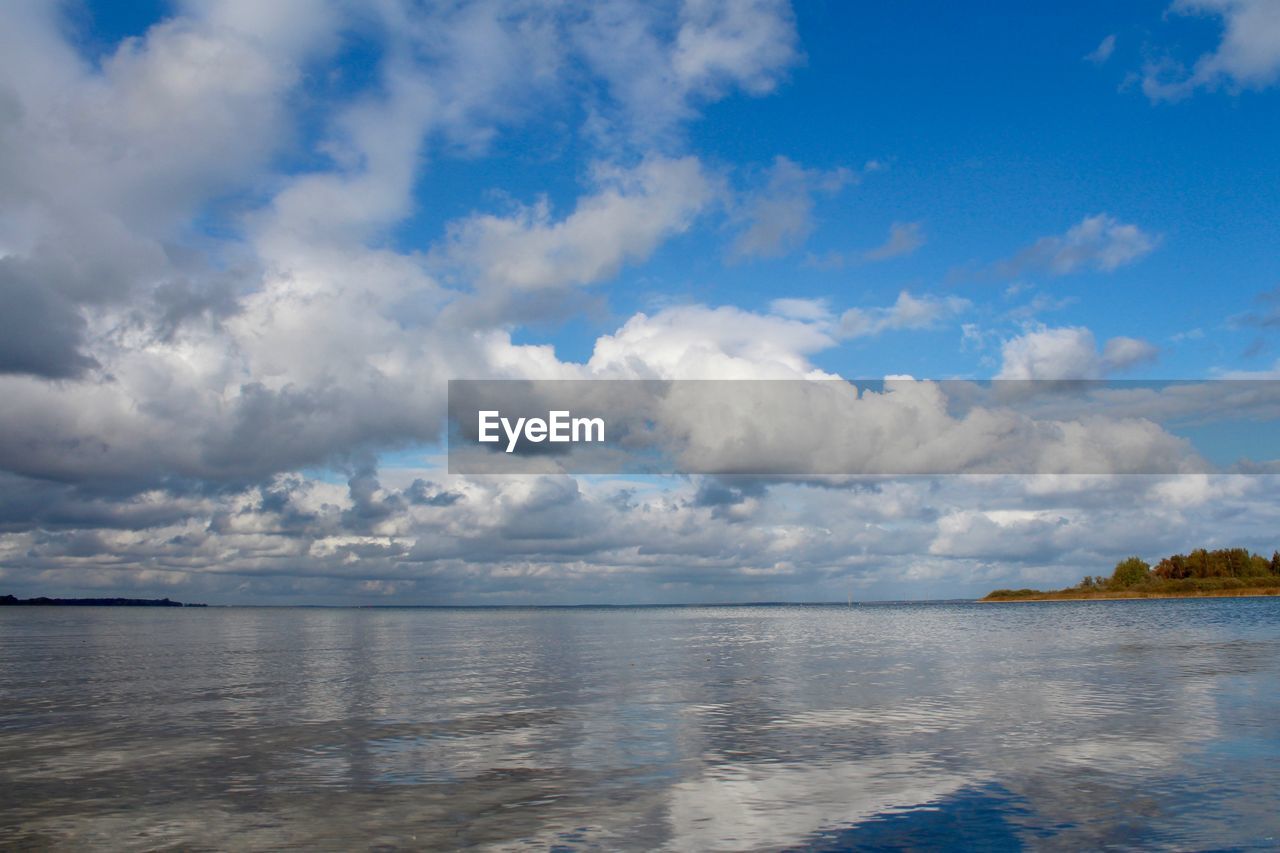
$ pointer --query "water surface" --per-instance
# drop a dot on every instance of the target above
(1045, 725)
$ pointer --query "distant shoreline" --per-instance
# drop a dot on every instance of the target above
(12, 601)
(1256, 592)
(1221, 573)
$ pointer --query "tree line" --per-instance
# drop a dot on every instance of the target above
(1199, 565)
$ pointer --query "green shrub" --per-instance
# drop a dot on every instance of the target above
(1130, 572)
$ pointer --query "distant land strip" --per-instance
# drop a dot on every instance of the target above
(92, 602)
(1000, 595)
(1225, 573)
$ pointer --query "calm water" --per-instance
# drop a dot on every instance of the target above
(1152, 724)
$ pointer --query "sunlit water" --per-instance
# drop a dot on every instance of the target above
(1152, 724)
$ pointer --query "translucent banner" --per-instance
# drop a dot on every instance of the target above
(863, 427)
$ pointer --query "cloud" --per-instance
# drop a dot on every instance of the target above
(1062, 353)
(1101, 242)
(1018, 535)
(1100, 54)
(779, 217)
(41, 330)
(104, 164)
(656, 72)
(289, 334)
(908, 427)
(696, 342)
(743, 44)
(453, 75)
(546, 539)
(1070, 352)
(801, 309)
(907, 312)
(1120, 353)
(218, 308)
(628, 215)
(1265, 314)
(904, 238)
(1247, 56)
(1265, 375)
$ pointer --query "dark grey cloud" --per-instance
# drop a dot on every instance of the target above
(423, 493)
(369, 504)
(26, 503)
(722, 494)
(184, 299)
(41, 330)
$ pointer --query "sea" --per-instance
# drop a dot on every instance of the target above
(1090, 725)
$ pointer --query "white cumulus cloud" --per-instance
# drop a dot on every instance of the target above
(1069, 352)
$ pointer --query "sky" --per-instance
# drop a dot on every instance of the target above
(244, 246)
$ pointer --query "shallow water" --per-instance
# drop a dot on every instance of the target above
(1069, 725)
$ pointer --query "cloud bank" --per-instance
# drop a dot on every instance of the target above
(235, 278)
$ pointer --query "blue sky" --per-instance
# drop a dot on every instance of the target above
(994, 131)
(243, 247)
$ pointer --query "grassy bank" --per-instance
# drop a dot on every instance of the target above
(1119, 594)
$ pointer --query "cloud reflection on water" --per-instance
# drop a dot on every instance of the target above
(687, 729)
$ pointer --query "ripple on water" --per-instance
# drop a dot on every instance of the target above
(1073, 725)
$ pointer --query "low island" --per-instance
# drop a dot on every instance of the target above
(1201, 574)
